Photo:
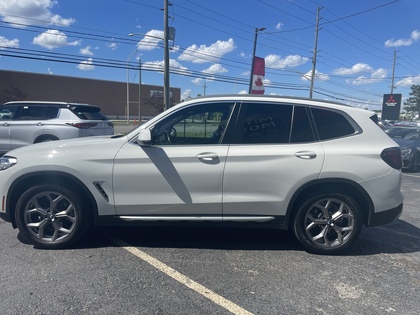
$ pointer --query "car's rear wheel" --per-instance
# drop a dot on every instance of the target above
(51, 216)
(328, 223)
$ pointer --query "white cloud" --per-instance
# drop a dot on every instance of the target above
(375, 75)
(276, 62)
(216, 68)
(318, 76)
(49, 71)
(409, 81)
(31, 12)
(53, 39)
(86, 65)
(414, 37)
(158, 65)
(6, 43)
(197, 81)
(86, 51)
(356, 69)
(151, 40)
(112, 46)
(203, 53)
(186, 95)
(279, 26)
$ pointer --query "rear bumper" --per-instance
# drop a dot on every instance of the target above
(385, 217)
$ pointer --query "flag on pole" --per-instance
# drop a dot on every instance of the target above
(258, 74)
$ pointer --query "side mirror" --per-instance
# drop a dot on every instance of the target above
(145, 137)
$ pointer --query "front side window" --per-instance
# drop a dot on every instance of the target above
(198, 124)
(7, 112)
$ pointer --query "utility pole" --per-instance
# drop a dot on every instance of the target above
(205, 87)
(139, 90)
(315, 53)
(166, 87)
(393, 72)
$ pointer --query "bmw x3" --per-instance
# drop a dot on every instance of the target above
(321, 169)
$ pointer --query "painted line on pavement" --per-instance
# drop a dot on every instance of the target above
(209, 294)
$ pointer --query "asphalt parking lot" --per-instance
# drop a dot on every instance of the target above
(215, 271)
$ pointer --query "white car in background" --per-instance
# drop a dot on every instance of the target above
(321, 169)
(27, 122)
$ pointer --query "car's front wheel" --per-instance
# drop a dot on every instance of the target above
(328, 223)
(51, 216)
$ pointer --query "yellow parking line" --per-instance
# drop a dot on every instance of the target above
(212, 296)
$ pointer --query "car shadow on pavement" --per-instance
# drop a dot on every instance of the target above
(395, 238)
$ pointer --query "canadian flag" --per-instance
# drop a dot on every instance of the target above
(258, 74)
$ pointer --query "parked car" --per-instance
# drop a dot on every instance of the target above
(321, 169)
(23, 123)
(408, 139)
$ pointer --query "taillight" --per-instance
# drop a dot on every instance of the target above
(392, 157)
(82, 125)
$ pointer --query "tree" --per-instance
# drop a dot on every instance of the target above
(412, 104)
(12, 94)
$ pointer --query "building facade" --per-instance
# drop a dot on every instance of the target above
(109, 95)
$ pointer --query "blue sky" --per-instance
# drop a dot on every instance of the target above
(212, 50)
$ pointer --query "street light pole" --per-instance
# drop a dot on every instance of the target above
(128, 86)
(166, 91)
(258, 29)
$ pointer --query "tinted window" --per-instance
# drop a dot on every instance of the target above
(331, 124)
(7, 112)
(301, 127)
(31, 113)
(88, 113)
(199, 124)
(267, 123)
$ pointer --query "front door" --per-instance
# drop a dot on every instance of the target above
(181, 173)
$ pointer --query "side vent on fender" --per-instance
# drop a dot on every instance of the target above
(101, 191)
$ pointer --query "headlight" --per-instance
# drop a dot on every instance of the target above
(7, 161)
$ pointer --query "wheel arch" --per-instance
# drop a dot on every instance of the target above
(21, 184)
(45, 137)
(331, 185)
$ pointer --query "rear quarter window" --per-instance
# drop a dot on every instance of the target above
(331, 124)
(88, 113)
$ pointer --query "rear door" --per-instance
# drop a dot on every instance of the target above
(28, 124)
(6, 120)
(273, 152)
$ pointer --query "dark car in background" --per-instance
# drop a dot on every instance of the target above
(23, 123)
(408, 138)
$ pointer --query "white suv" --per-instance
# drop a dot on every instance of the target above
(321, 169)
(25, 122)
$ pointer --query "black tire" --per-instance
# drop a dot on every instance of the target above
(328, 223)
(51, 216)
(415, 163)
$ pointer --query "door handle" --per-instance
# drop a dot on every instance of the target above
(306, 155)
(207, 156)
(40, 124)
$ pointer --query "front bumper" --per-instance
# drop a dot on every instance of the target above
(385, 217)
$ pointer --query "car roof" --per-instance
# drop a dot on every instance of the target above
(59, 104)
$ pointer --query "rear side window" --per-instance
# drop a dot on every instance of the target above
(331, 124)
(88, 113)
(276, 124)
